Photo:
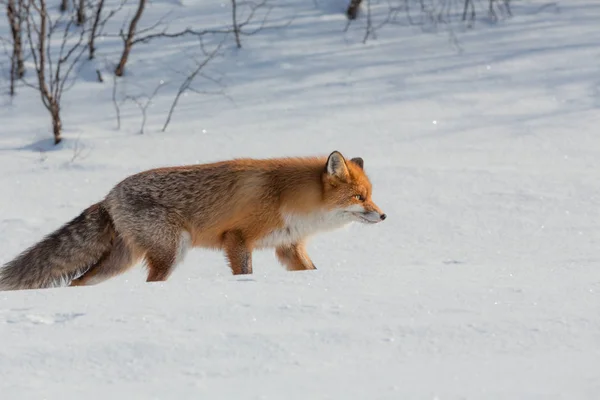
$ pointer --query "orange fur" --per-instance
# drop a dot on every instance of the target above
(236, 206)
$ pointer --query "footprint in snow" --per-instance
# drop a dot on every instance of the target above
(38, 319)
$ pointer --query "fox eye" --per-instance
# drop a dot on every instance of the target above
(359, 197)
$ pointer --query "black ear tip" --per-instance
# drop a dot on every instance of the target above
(336, 165)
(358, 161)
(335, 156)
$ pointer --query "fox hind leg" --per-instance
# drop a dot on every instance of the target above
(162, 259)
(294, 257)
(237, 252)
(120, 258)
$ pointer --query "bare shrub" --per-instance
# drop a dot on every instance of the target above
(53, 70)
(14, 13)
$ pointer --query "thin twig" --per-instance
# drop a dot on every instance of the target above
(188, 81)
(143, 106)
(115, 102)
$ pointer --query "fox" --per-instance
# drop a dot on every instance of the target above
(235, 206)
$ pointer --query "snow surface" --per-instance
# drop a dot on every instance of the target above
(483, 282)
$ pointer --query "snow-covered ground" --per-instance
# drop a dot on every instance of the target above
(483, 283)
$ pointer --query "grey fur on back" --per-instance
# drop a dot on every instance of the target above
(62, 255)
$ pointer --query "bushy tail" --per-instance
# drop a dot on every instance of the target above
(62, 255)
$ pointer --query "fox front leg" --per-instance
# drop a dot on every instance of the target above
(237, 252)
(294, 257)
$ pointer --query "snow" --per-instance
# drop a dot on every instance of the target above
(483, 282)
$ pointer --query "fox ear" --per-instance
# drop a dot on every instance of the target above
(358, 161)
(336, 166)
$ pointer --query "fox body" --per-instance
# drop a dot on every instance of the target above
(235, 206)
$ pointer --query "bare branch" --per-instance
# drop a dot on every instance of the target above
(236, 27)
(143, 106)
(369, 31)
(51, 85)
(188, 81)
(430, 14)
(94, 30)
(150, 28)
(129, 38)
(78, 151)
(352, 10)
(65, 77)
(14, 13)
(115, 102)
(164, 34)
(81, 12)
(98, 25)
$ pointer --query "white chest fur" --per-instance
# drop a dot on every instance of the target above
(298, 227)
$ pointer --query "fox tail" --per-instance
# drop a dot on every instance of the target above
(64, 254)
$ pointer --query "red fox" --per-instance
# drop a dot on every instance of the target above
(235, 206)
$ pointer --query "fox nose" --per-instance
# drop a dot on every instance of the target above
(383, 216)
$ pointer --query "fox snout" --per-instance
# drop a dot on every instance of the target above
(373, 213)
(368, 214)
(372, 217)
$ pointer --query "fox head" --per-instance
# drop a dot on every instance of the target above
(348, 189)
